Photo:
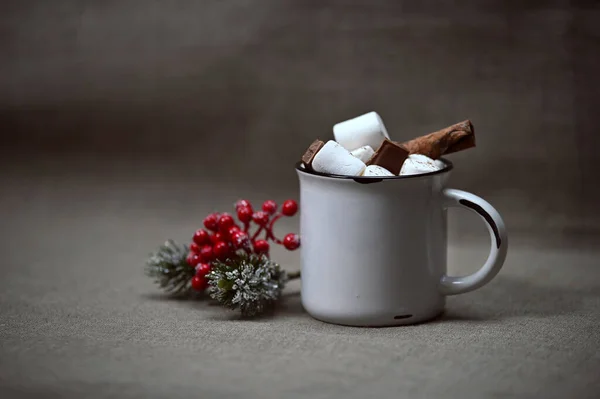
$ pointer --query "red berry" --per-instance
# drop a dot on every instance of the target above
(193, 259)
(211, 222)
(206, 253)
(260, 218)
(243, 204)
(270, 207)
(202, 269)
(232, 230)
(215, 238)
(289, 208)
(244, 214)
(221, 249)
(225, 222)
(201, 237)
(195, 248)
(198, 283)
(240, 239)
(261, 246)
(291, 241)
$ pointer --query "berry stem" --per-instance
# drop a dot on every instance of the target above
(246, 227)
(256, 233)
(275, 239)
(270, 228)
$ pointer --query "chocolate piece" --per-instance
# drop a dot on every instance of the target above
(390, 156)
(457, 137)
(312, 150)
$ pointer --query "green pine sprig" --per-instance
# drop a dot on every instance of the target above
(170, 269)
(251, 283)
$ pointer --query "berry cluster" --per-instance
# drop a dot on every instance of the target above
(222, 237)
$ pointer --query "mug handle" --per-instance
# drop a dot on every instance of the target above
(459, 285)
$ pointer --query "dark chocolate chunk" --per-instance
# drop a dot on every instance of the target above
(390, 156)
(312, 150)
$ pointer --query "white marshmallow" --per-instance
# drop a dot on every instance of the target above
(376, 170)
(418, 163)
(335, 159)
(363, 153)
(367, 129)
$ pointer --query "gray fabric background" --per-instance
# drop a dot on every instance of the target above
(124, 122)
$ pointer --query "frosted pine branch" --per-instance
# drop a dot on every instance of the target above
(251, 283)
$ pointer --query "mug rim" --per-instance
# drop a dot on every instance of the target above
(449, 166)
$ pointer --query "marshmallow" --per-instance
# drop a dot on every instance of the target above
(367, 129)
(363, 153)
(418, 163)
(334, 159)
(376, 170)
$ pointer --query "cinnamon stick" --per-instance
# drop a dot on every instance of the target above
(458, 137)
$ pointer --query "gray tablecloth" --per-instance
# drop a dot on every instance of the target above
(80, 320)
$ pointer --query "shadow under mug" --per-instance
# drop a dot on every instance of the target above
(374, 249)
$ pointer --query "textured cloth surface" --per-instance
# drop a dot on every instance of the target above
(80, 320)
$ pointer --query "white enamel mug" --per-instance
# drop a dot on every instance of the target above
(374, 249)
